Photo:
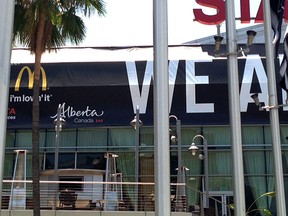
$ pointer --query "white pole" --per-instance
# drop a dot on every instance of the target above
(274, 116)
(6, 27)
(234, 110)
(161, 109)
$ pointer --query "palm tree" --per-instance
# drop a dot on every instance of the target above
(45, 25)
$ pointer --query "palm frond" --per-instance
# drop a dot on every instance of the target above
(62, 21)
(73, 27)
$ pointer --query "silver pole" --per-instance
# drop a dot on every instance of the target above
(56, 156)
(137, 136)
(206, 174)
(161, 111)
(6, 28)
(57, 130)
(234, 110)
(178, 128)
(179, 199)
(274, 117)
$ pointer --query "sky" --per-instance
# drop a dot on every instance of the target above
(130, 23)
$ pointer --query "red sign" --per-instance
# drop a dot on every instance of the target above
(220, 14)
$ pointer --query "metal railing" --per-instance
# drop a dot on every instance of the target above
(101, 196)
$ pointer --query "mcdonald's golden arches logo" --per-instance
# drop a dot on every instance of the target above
(31, 78)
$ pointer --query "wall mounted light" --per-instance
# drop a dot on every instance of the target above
(193, 148)
(133, 123)
(250, 37)
(218, 40)
(262, 108)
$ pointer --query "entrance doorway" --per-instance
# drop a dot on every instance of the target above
(220, 201)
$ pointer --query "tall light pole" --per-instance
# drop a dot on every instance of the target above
(234, 110)
(274, 116)
(161, 109)
(178, 140)
(193, 148)
(59, 122)
(180, 169)
(136, 123)
(6, 27)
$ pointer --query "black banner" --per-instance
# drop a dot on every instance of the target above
(95, 94)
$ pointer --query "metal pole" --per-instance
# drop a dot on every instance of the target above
(56, 157)
(137, 136)
(274, 117)
(161, 109)
(180, 169)
(234, 110)
(57, 130)
(178, 131)
(206, 178)
(6, 27)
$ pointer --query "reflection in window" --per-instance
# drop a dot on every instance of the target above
(65, 161)
(91, 161)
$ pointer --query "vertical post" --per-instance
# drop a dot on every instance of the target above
(137, 137)
(178, 131)
(58, 128)
(161, 109)
(180, 190)
(206, 174)
(234, 110)
(57, 140)
(179, 171)
(6, 26)
(274, 117)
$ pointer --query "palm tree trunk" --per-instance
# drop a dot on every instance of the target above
(36, 114)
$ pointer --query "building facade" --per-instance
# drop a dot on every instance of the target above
(99, 89)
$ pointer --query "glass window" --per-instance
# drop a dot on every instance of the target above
(10, 139)
(221, 183)
(146, 137)
(8, 165)
(121, 137)
(91, 138)
(65, 161)
(267, 135)
(284, 134)
(24, 139)
(217, 135)
(67, 140)
(125, 163)
(50, 140)
(220, 163)
(252, 135)
(255, 162)
(91, 161)
(187, 135)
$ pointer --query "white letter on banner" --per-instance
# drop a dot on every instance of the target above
(141, 99)
(138, 98)
(173, 67)
(283, 92)
(253, 63)
(191, 81)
